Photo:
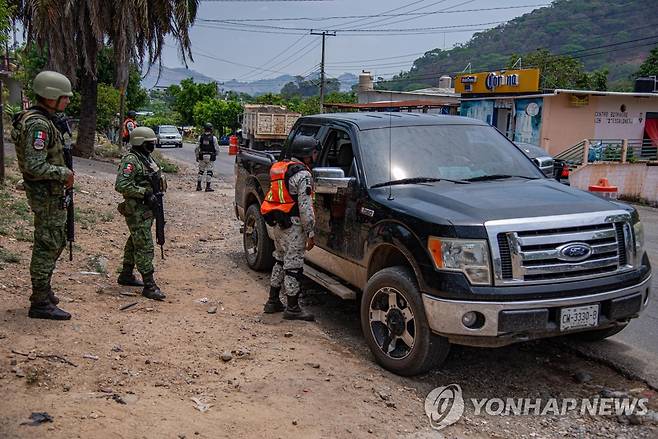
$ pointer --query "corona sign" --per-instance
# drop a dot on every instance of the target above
(503, 81)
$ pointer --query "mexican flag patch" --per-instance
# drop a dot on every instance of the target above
(128, 169)
(40, 138)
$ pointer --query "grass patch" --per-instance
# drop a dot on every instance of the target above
(98, 264)
(106, 217)
(24, 235)
(9, 257)
(108, 150)
(165, 164)
(13, 212)
(86, 217)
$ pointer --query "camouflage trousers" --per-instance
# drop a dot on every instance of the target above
(206, 167)
(139, 250)
(289, 249)
(49, 235)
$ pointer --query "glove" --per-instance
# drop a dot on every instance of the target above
(149, 199)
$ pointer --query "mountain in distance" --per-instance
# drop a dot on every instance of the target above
(170, 76)
(600, 33)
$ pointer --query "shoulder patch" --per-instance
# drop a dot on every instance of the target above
(39, 140)
(128, 169)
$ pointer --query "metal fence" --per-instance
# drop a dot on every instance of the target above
(610, 150)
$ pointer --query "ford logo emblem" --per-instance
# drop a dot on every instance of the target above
(574, 252)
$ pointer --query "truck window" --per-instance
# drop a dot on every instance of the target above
(338, 152)
(308, 130)
(454, 152)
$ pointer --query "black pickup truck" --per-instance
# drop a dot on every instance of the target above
(447, 233)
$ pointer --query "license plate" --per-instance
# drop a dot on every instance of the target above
(579, 317)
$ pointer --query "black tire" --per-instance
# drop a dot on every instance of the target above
(597, 334)
(428, 350)
(256, 243)
(180, 145)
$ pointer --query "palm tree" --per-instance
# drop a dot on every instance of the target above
(74, 31)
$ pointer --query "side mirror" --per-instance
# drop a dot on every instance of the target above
(329, 180)
(545, 165)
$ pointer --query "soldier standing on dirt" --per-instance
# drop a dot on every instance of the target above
(40, 153)
(133, 182)
(288, 210)
(206, 154)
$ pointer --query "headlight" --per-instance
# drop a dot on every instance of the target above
(638, 234)
(470, 257)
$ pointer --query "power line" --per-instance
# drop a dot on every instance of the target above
(241, 20)
(276, 56)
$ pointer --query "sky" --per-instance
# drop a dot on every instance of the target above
(252, 50)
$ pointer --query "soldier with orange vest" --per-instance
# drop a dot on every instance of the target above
(288, 211)
(128, 126)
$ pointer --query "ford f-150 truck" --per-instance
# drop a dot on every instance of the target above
(447, 233)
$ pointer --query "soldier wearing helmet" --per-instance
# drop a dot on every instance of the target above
(40, 154)
(288, 211)
(133, 183)
(128, 126)
(206, 154)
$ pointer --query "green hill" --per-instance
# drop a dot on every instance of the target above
(589, 30)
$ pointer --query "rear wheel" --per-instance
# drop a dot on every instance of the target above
(597, 334)
(395, 326)
(258, 246)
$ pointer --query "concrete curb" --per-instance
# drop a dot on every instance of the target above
(631, 362)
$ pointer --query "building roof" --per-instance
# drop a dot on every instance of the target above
(374, 120)
(562, 91)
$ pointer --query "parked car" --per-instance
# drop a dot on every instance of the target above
(446, 233)
(551, 167)
(224, 140)
(168, 135)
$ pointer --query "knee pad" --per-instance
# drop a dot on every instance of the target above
(297, 273)
(210, 174)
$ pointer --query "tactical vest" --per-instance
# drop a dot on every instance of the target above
(125, 133)
(207, 146)
(279, 204)
(54, 148)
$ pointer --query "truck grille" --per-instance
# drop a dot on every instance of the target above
(562, 253)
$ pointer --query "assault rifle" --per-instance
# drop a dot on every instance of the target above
(158, 209)
(62, 124)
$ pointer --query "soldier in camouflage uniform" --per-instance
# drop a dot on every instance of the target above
(206, 153)
(40, 153)
(293, 232)
(133, 183)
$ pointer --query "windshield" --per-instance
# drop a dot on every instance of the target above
(168, 130)
(449, 152)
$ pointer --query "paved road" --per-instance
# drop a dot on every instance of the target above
(642, 333)
(223, 165)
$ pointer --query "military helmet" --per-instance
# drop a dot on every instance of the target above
(142, 134)
(51, 85)
(207, 126)
(132, 114)
(304, 146)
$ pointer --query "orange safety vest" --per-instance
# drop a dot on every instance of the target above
(125, 133)
(279, 203)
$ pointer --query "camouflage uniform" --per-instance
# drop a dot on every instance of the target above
(132, 182)
(290, 243)
(40, 153)
(206, 164)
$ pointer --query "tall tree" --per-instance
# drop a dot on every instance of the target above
(650, 65)
(75, 31)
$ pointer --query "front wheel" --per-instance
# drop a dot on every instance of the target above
(395, 326)
(258, 246)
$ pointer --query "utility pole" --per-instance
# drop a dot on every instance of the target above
(324, 34)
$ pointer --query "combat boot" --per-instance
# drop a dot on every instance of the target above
(198, 186)
(46, 310)
(208, 188)
(273, 304)
(295, 312)
(51, 296)
(127, 278)
(151, 289)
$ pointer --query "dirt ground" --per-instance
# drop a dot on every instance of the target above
(158, 369)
